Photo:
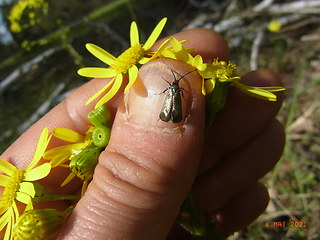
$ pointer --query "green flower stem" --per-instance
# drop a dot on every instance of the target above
(42, 195)
(199, 229)
(215, 101)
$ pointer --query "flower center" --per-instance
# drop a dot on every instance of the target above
(10, 191)
(129, 58)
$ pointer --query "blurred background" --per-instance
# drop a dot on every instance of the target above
(42, 45)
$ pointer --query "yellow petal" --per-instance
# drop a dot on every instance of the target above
(23, 197)
(61, 154)
(6, 167)
(38, 173)
(93, 72)
(4, 219)
(273, 89)
(100, 53)
(208, 86)
(58, 152)
(133, 74)
(41, 147)
(67, 135)
(28, 188)
(198, 63)
(134, 34)
(256, 92)
(179, 51)
(29, 206)
(56, 155)
(68, 179)
(176, 44)
(159, 52)
(94, 96)
(4, 180)
(9, 230)
(155, 34)
(114, 89)
(168, 54)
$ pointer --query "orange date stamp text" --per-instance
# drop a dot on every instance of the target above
(286, 224)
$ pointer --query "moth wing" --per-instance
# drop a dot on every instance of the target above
(176, 112)
(165, 114)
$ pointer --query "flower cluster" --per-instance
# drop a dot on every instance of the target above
(26, 13)
(80, 153)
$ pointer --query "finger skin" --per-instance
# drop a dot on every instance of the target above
(239, 169)
(242, 210)
(147, 168)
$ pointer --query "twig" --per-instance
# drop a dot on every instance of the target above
(24, 68)
(305, 7)
(42, 109)
(262, 5)
(255, 49)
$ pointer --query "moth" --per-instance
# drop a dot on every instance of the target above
(172, 106)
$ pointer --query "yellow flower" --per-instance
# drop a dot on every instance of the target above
(227, 72)
(125, 63)
(35, 7)
(274, 26)
(216, 71)
(18, 184)
(84, 151)
(59, 155)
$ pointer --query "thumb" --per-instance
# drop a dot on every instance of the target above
(148, 168)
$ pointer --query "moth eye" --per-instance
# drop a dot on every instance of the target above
(100, 116)
(83, 164)
(101, 136)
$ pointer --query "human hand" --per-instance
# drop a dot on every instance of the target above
(150, 166)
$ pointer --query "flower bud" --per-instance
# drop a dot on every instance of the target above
(39, 223)
(83, 164)
(100, 116)
(101, 136)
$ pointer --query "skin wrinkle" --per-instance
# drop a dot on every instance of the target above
(171, 176)
(93, 209)
(139, 157)
(153, 139)
(130, 211)
(128, 175)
